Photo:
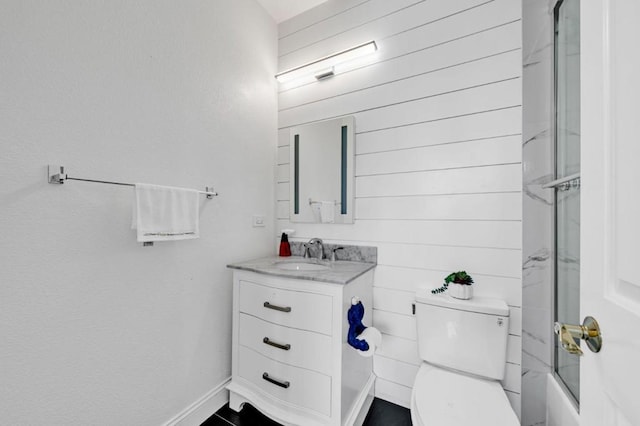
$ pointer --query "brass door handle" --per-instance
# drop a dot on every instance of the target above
(569, 335)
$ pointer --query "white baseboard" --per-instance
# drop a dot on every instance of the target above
(203, 408)
(393, 392)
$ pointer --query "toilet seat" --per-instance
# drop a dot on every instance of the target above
(445, 398)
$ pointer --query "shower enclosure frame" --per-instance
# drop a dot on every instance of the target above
(555, 7)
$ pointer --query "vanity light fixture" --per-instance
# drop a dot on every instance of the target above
(327, 66)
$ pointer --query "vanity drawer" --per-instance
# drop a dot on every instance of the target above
(306, 311)
(300, 348)
(294, 385)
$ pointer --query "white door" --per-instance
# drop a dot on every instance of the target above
(610, 209)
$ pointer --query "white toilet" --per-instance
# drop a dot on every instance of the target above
(463, 344)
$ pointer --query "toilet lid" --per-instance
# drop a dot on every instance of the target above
(443, 397)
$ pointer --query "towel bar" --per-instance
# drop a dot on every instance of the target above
(311, 202)
(58, 175)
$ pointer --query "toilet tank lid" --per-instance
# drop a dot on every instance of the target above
(481, 305)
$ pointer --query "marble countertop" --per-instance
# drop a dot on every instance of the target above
(339, 272)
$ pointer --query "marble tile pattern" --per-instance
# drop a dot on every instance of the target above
(538, 246)
(351, 253)
(339, 272)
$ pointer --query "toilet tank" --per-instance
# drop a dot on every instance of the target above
(465, 335)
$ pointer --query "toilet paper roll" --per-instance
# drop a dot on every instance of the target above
(373, 337)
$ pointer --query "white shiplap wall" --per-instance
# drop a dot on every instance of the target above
(438, 154)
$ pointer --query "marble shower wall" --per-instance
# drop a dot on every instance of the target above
(537, 161)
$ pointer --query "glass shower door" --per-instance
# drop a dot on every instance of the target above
(567, 193)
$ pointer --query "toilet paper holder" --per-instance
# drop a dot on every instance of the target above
(364, 339)
(355, 316)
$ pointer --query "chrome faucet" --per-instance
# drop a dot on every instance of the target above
(314, 241)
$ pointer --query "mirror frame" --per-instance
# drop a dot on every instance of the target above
(345, 214)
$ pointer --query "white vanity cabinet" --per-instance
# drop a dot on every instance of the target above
(290, 357)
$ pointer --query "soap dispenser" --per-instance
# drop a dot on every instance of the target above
(285, 248)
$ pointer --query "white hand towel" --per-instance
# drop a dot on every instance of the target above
(162, 213)
(327, 211)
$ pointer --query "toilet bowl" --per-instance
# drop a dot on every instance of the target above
(463, 345)
(446, 398)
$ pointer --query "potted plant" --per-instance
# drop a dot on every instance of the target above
(458, 285)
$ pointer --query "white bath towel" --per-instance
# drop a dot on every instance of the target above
(163, 213)
(327, 211)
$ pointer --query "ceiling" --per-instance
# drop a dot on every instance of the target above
(281, 10)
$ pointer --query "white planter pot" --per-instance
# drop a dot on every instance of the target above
(460, 291)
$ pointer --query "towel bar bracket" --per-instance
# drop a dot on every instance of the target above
(209, 192)
(56, 174)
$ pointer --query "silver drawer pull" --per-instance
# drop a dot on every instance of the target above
(285, 385)
(284, 347)
(277, 308)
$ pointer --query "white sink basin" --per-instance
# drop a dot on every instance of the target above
(301, 266)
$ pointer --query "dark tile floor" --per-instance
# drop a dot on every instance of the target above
(382, 413)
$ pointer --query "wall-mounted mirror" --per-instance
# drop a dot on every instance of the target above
(321, 171)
